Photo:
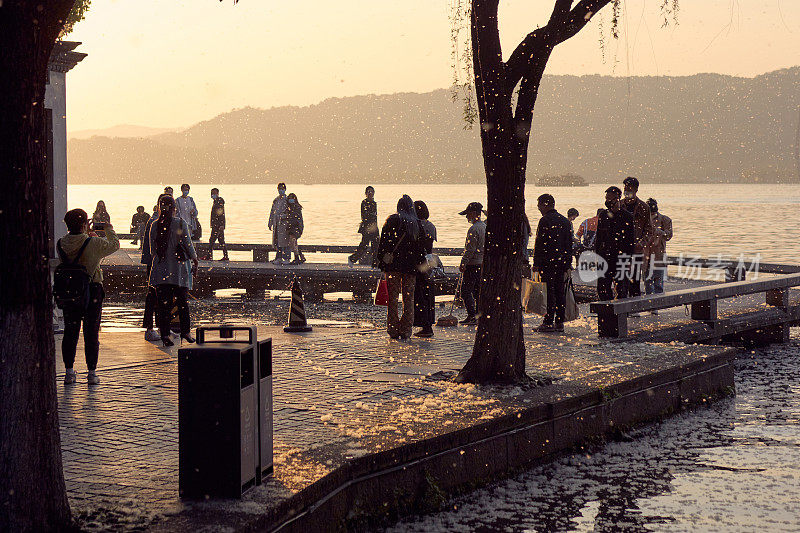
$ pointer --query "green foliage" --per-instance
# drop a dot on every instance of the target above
(461, 56)
(77, 14)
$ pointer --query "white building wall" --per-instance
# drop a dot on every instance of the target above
(55, 98)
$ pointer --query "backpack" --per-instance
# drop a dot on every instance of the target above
(71, 281)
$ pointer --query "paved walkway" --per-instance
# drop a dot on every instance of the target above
(338, 393)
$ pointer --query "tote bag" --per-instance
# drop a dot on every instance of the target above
(382, 293)
(534, 295)
(571, 311)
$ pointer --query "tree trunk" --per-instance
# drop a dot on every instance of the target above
(498, 355)
(32, 490)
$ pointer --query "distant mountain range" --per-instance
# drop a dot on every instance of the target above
(121, 130)
(701, 128)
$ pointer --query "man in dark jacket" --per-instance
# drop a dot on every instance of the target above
(552, 258)
(615, 240)
(218, 224)
(368, 228)
(643, 227)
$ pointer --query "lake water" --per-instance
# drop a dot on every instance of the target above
(708, 219)
(733, 466)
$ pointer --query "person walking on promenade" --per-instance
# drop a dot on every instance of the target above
(186, 209)
(472, 261)
(138, 222)
(217, 224)
(644, 232)
(275, 225)
(368, 228)
(615, 241)
(552, 258)
(100, 217)
(86, 249)
(424, 296)
(399, 256)
(150, 299)
(654, 259)
(293, 222)
(170, 274)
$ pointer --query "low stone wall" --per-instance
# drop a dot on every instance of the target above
(419, 476)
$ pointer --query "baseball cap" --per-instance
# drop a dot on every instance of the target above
(474, 207)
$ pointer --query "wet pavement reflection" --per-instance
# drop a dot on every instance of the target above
(732, 466)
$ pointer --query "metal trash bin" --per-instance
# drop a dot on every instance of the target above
(265, 466)
(218, 420)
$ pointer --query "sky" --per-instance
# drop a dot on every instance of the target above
(172, 63)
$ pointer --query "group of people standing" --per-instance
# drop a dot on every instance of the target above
(286, 224)
(171, 262)
(630, 235)
(405, 244)
(632, 238)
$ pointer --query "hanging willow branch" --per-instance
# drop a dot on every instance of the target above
(463, 86)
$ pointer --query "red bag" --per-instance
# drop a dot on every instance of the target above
(382, 293)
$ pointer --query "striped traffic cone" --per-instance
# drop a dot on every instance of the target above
(297, 311)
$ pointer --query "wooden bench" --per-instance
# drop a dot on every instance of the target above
(612, 316)
(734, 270)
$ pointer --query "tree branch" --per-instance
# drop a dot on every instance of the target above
(560, 11)
(523, 56)
(563, 24)
(487, 60)
(577, 19)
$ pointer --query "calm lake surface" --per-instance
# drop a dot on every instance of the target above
(708, 219)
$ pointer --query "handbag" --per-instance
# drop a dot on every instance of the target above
(382, 293)
(197, 234)
(389, 257)
(433, 267)
(571, 310)
(534, 295)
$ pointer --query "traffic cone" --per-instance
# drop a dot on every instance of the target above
(297, 311)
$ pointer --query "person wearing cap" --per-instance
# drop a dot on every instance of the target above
(643, 228)
(472, 260)
(552, 258)
(654, 259)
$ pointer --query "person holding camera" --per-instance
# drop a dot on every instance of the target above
(83, 246)
(171, 248)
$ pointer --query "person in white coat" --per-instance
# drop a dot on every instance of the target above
(277, 224)
(186, 209)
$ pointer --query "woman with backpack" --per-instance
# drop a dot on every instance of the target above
(171, 248)
(78, 289)
(399, 256)
(292, 219)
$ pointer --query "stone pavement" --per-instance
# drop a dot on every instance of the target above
(338, 393)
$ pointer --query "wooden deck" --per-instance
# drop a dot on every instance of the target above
(751, 311)
(123, 273)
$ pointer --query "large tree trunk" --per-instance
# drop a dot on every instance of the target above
(498, 355)
(32, 491)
